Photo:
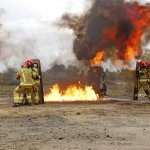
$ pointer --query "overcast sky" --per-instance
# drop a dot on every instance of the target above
(23, 10)
(20, 10)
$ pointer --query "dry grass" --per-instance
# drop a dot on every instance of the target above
(6, 90)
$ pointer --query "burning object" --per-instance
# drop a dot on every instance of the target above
(90, 88)
(110, 30)
(115, 27)
(72, 93)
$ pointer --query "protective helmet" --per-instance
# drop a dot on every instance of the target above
(142, 64)
(27, 63)
(148, 64)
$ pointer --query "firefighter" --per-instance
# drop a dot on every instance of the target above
(143, 78)
(36, 78)
(148, 73)
(103, 87)
(25, 89)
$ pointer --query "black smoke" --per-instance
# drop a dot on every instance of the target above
(91, 33)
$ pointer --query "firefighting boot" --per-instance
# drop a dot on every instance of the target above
(36, 103)
(147, 94)
(36, 99)
(16, 105)
(29, 103)
(29, 99)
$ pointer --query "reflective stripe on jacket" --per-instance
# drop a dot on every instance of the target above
(26, 77)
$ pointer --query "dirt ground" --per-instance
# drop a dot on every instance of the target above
(75, 126)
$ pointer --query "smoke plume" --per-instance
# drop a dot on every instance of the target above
(113, 28)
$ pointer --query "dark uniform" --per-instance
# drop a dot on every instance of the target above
(95, 78)
(103, 87)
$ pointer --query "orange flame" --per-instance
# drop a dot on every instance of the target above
(72, 93)
(128, 44)
(139, 26)
(98, 58)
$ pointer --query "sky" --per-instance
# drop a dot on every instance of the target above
(28, 31)
(23, 10)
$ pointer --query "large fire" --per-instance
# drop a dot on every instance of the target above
(112, 30)
(125, 33)
(72, 93)
(139, 27)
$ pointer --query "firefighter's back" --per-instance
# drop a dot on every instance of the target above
(26, 79)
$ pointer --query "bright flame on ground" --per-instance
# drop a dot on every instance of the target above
(72, 93)
(98, 58)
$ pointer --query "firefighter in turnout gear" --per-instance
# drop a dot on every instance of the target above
(25, 90)
(148, 73)
(143, 80)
